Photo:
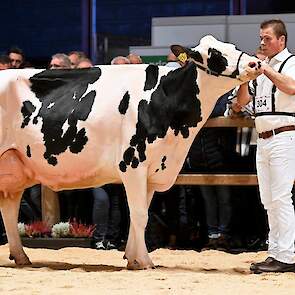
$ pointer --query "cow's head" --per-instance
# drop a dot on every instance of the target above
(220, 59)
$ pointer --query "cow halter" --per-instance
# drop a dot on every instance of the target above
(235, 74)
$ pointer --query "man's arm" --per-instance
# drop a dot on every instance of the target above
(283, 82)
(243, 98)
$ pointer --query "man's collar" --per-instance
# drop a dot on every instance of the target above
(280, 57)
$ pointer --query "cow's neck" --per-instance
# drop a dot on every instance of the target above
(211, 88)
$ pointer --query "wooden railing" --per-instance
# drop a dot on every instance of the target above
(216, 179)
(50, 202)
(221, 179)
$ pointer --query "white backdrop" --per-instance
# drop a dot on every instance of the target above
(241, 30)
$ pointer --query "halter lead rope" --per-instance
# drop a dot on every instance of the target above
(233, 75)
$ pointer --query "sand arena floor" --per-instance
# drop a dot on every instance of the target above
(88, 271)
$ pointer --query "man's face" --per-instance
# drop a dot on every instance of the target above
(269, 43)
(56, 64)
(74, 58)
(15, 60)
(84, 65)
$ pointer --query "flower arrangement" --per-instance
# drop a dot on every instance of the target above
(60, 230)
(41, 229)
(79, 230)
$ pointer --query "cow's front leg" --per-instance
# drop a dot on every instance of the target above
(130, 250)
(136, 188)
(9, 209)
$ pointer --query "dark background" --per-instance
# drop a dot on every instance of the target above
(42, 28)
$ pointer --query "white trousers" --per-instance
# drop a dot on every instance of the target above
(275, 161)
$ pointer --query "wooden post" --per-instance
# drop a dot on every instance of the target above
(50, 206)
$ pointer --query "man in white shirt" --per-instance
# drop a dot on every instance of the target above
(274, 107)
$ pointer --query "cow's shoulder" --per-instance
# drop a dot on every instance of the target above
(174, 103)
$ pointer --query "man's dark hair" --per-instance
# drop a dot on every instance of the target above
(278, 26)
(17, 51)
(4, 59)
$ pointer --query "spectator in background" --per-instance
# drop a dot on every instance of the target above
(75, 57)
(120, 60)
(173, 61)
(84, 63)
(134, 59)
(4, 62)
(16, 57)
(106, 215)
(250, 230)
(207, 155)
(60, 61)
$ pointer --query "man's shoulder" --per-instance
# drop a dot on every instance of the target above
(289, 65)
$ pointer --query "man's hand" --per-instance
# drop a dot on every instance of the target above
(236, 107)
(255, 69)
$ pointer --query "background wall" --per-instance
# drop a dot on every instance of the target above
(42, 28)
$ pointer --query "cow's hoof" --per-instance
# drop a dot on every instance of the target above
(135, 265)
(22, 260)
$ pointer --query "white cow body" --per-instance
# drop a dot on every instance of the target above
(139, 144)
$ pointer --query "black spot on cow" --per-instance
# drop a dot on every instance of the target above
(151, 79)
(135, 162)
(64, 100)
(141, 146)
(184, 131)
(163, 166)
(124, 103)
(216, 62)
(123, 166)
(173, 104)
(128, 155)
(29, 151)
(157, 170)
(27, 110)
(196, 55)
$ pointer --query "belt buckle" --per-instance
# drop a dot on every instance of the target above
(273, 132)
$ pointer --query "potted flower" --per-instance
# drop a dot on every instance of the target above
(64, 234)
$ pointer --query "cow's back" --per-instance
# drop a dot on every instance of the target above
(73, 126)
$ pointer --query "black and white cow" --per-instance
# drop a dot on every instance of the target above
(130, 124)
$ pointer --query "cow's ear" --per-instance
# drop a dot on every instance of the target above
(180, 52)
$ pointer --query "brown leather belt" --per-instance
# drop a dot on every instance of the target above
(270, 133)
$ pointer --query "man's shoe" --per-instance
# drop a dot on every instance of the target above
(275, 266)
(223, 243)
(254, 266)
(211, 245)
(100, 246)
(110, 246)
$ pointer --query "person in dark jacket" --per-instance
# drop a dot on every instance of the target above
(207, 155)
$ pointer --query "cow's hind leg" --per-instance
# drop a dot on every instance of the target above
(136, 251)
(9, 209)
